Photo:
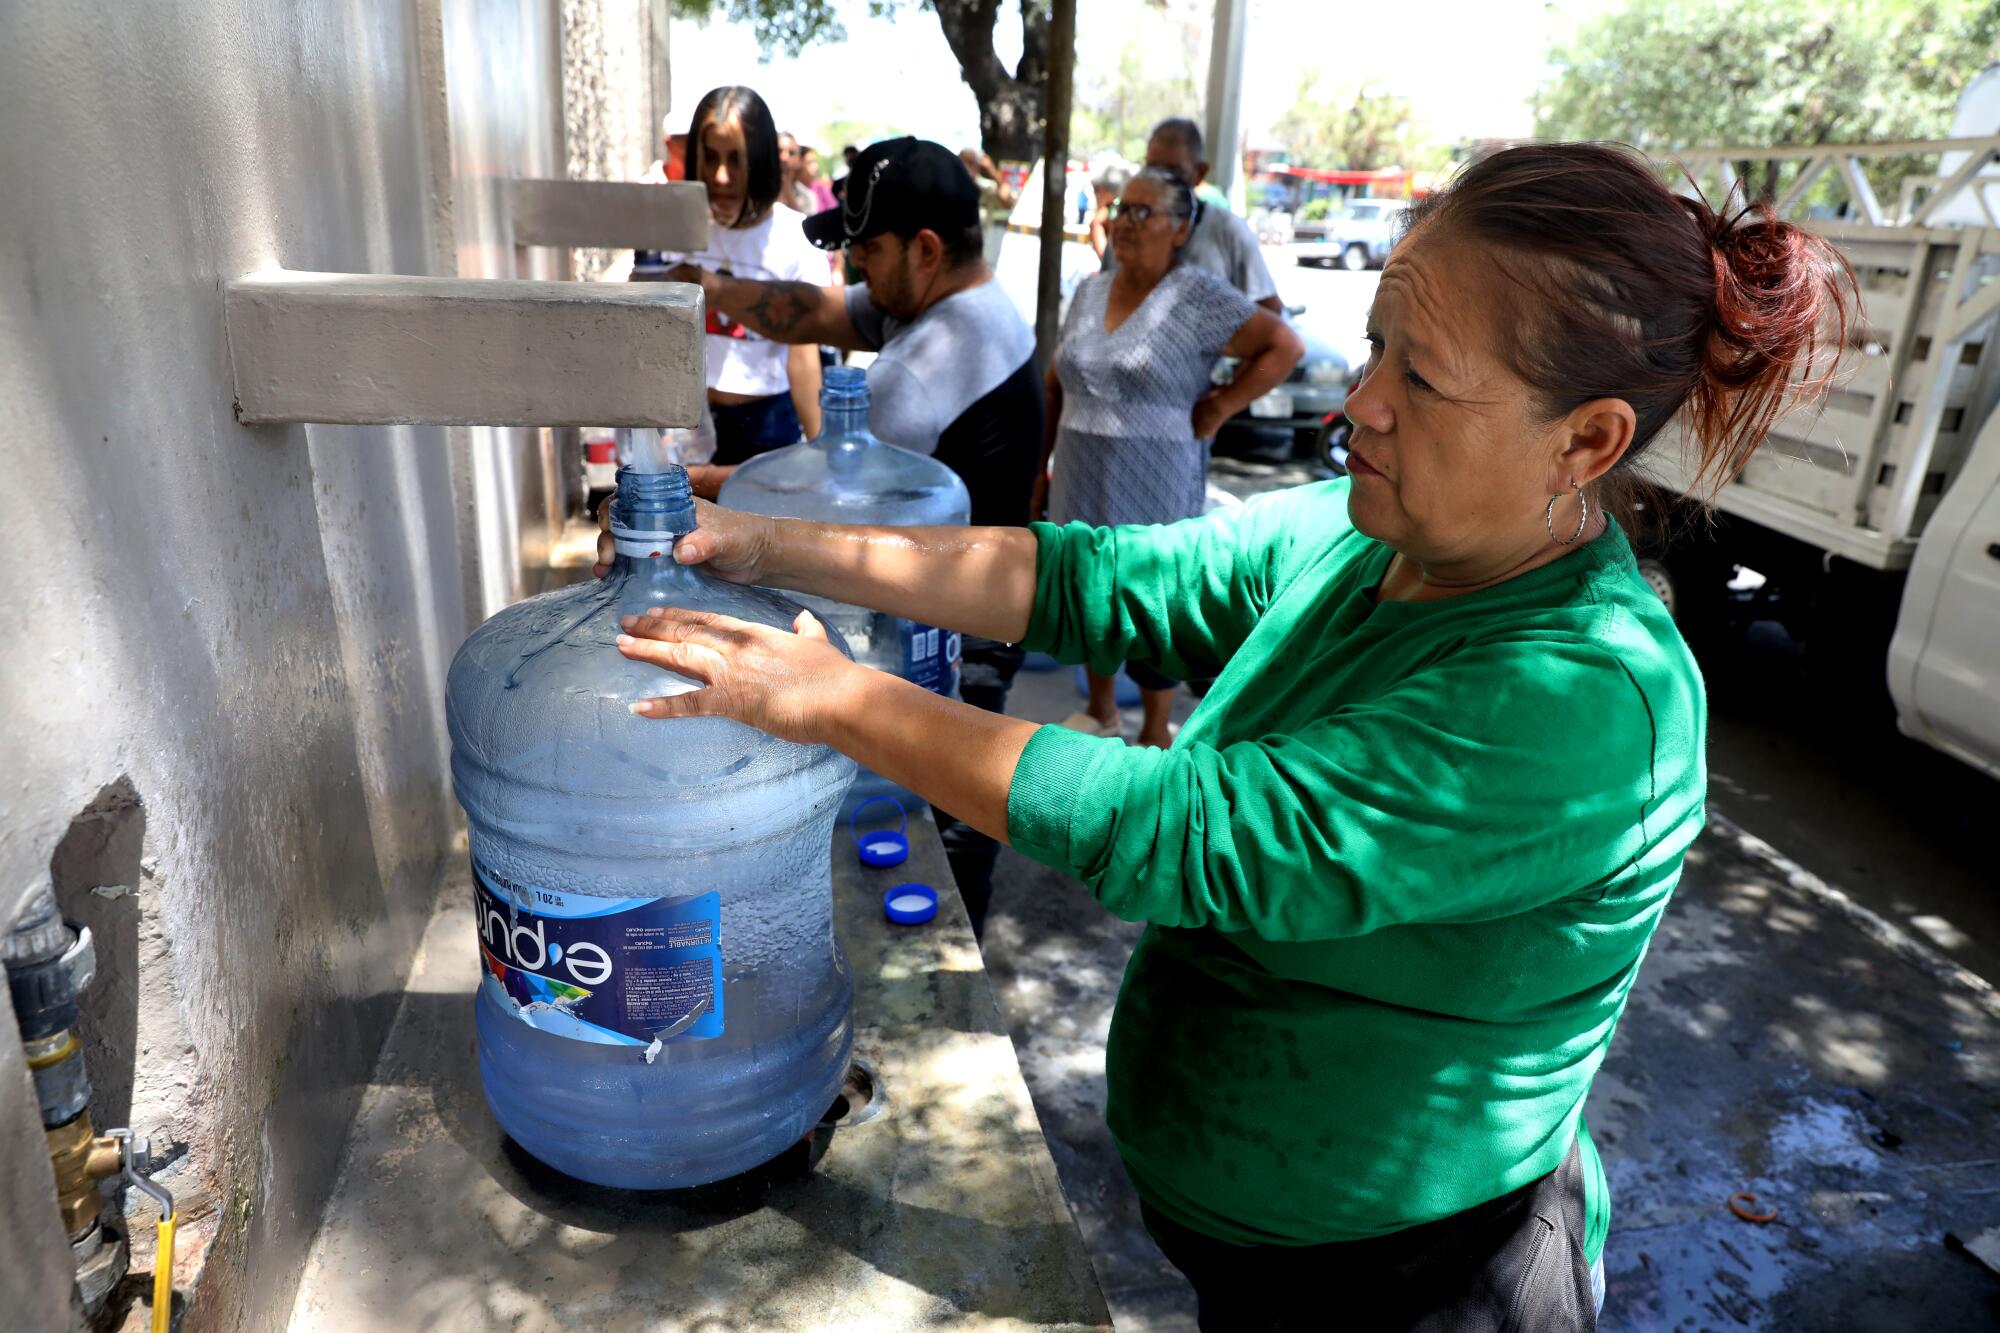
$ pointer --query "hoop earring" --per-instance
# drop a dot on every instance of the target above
(1582, 516)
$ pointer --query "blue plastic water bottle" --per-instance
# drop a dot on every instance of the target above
(846, 475)
(662, 1002)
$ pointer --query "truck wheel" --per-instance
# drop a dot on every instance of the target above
(1661, 580)
(1354, 258)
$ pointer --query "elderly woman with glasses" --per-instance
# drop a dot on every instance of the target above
(1130, 397)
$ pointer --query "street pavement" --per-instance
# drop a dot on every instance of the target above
(1810, 1025)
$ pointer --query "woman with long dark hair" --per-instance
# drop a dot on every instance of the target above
(763, 394)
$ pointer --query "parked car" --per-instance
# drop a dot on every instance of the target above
(1359, 237)
(1291, 418)
(1275, 226)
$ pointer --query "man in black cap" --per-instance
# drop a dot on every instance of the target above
(954, 375)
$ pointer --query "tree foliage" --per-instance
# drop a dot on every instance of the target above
(1010, 101)
(1664, 74)
(1117, 110)
(1353, 129)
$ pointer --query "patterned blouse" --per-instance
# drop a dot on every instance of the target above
(1125, 446)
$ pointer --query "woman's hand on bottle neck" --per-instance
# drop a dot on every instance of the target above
(728, 543)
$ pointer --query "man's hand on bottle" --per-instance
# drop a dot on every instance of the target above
(728, 543)
(786, 684)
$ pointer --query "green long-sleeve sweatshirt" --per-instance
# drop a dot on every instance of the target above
(1400, 866)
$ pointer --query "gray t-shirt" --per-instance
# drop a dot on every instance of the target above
(1223, 244)
(958, 382)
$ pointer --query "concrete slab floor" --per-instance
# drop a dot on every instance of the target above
(1776, 1042)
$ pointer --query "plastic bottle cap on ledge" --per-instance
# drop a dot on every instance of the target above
(883, 846)
(910, 904)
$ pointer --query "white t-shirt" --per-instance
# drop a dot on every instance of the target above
(775, 250)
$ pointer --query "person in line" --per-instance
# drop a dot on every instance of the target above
(996, 198)
(1221, 242)
(672, 166)
(797, 194)
(848, 152)
(1106, 185)
(809, 172)
(1130, 398)
(762, 393)
(1400, 868)
(953, 376)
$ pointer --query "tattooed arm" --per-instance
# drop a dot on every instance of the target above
(787, 312)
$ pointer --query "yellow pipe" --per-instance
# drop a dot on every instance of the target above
(163, 1276)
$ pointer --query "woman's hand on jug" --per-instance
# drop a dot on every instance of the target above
(783, 683)
(728, 543)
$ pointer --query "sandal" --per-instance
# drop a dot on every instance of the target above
(1090, 726)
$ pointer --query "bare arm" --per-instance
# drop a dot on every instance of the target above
(1266, 349)
(1052, 404)
(785, 311)
(958, 757)
(1273, 304)
(794, 685)
(974, 580)
(802, 365)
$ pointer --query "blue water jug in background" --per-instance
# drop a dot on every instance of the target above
(662, 1002)
(846, 475)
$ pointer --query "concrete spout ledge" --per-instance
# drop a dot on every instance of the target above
(614, 214)
(363, 349)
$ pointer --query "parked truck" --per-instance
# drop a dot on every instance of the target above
(1873, 518)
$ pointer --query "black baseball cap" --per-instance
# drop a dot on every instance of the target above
(901, 186)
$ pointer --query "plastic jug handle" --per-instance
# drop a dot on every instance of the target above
(876, 800)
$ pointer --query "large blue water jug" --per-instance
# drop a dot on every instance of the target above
(662, 1002)
(846, 475)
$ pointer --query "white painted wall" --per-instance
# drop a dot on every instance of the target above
(248, 626)
(503, 83)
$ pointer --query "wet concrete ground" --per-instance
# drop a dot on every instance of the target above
(1808, 1026)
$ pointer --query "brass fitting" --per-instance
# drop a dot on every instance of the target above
(81, 1158)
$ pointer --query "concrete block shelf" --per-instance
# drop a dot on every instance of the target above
(941, 1210)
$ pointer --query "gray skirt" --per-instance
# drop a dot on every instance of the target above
(1110, 479)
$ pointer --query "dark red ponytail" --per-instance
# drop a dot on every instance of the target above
(1623, 289)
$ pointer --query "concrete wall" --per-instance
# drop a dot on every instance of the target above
(503, 87)
(222, 649)
(613, 97)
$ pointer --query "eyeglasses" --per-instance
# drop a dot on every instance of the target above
(1138, 213)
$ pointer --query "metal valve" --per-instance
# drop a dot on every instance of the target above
(136, 1162)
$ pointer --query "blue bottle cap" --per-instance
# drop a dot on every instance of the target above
(910, 904)
(882, 847)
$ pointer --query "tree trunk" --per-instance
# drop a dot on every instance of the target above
(1010, 104)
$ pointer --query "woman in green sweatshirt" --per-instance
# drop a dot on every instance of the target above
(1401, 865)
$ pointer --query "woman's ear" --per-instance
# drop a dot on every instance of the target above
(1597, 434)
